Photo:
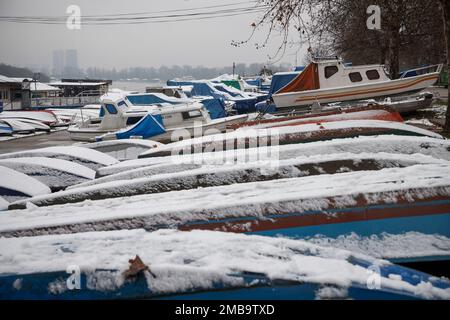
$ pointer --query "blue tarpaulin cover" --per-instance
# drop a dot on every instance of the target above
(148, 126)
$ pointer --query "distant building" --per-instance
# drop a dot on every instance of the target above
(85, 87)
(11, 91)
(65, 62)
(58, 62)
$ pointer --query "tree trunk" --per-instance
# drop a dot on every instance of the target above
(445, 4)
(393, 52)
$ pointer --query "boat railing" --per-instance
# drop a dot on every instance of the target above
(422, 70)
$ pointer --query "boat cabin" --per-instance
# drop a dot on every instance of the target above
(335, 73)
(120, 113)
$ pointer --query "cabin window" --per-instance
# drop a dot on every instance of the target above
(111, 109)
(330, 71)
(121, 103)
(372, 74)
(191, 114)
(133, 120)
(355, 77)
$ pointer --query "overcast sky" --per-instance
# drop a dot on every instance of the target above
(201, 42)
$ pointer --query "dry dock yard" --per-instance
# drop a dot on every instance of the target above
(300, 205)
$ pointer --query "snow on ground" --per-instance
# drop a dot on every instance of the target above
(14, 180)
(185, 260)
(256, 199)
(386, 143)
(389, 246)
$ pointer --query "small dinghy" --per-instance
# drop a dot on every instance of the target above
(18, 126)
(5, 129)
(137, 264)
(15, 185)
(90, 158)
(43, 116)
(38, 126)
(55, 173)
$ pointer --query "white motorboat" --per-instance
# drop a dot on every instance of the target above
(160, 122)
(330, 81)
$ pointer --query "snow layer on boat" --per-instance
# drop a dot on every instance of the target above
(67, 152)
(389, 246)
(365, 114)
(17, 181)
(124, 149)
(3, 204)
(257, 199)
(437, 148)
(250, 133)
(55, 173)
(57, 164)
(182, 261)
(243, 172)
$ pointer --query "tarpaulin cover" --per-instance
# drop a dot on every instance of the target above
(148, 126)
(308, 79)
(279, 80)
(215, 107)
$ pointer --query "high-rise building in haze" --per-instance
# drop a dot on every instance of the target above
(65, 63)
(58, 62)
(71, 59)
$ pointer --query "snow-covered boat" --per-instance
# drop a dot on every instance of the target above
(124, 149)
(57, 174)
(199, 265)
(437, 148)
(374, 112)
(15, 185)
(329, 81)
(173, 177)
(158, 122)
(245, 138)
(5, 129)
(18, 126)
(43, 116)
(90, 158)
(391, 201)
(38, 125)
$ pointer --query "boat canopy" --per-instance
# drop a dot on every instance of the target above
(308, 79)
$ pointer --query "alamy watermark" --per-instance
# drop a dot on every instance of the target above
(374, 20)
(73, 21)
(211, 146)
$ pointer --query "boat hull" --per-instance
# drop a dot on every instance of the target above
(358, 92)
(213, 127)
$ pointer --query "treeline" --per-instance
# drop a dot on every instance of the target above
(11, 71)
(165, 72)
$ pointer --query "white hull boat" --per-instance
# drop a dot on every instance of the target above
(161, 123)
(18, 126)
(331, 81)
